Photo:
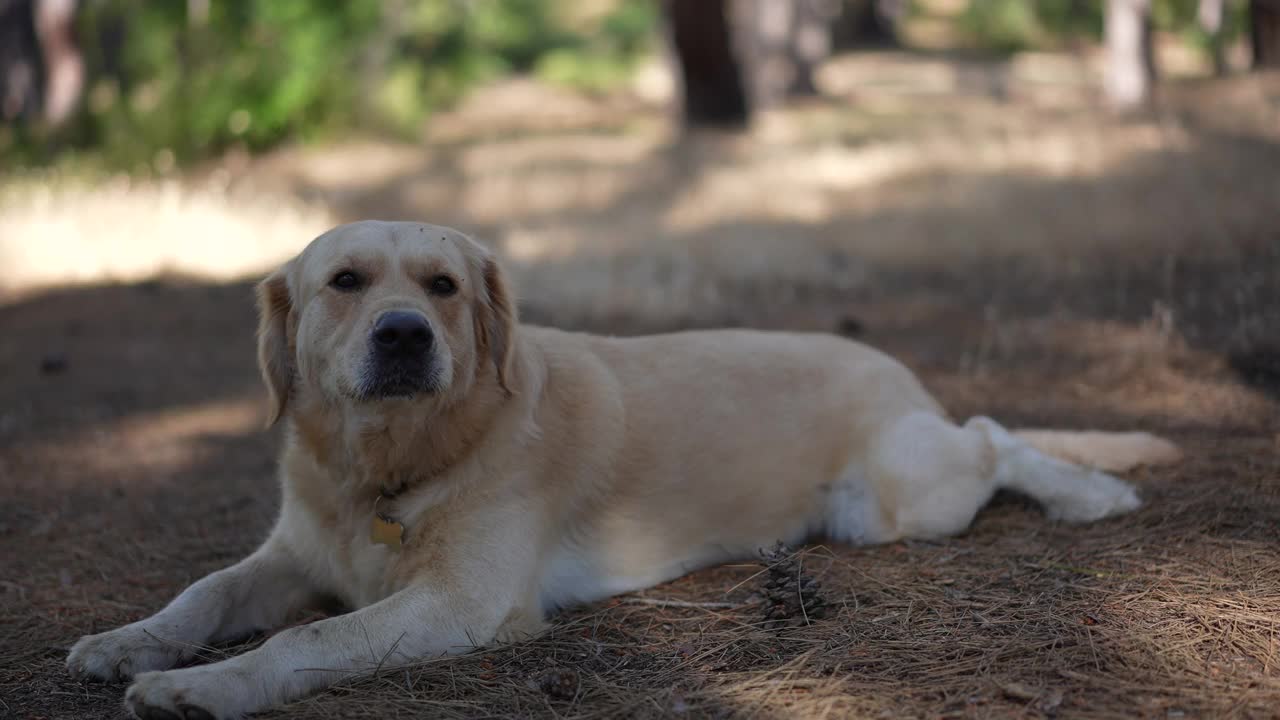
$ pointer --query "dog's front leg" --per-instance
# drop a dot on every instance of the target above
(414, 623)
(257, 593)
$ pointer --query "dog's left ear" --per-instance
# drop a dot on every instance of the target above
(496, 318)
(275, 360)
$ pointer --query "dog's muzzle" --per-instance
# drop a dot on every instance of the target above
(401, 355)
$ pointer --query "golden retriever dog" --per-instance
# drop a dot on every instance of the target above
(452, 476)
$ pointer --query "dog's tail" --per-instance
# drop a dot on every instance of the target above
(1106, 451)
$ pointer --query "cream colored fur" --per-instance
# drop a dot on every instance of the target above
(547, 468)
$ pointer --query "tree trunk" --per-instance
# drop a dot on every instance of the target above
(21, 66)
(765, 30)
(785, 41)
(810, 43)
(1130, 70)
(64, 67)
(1264, 33)
(712, 78)
(861, 24)
(1209, 15)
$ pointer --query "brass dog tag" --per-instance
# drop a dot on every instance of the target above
(386, 531)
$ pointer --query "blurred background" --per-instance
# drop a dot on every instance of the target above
(1058, 212)
(215, 137)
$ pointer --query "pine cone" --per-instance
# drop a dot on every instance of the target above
(790, 596)
(561, 684)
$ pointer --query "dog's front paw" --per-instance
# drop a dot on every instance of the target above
(190, 694)
(120, 654)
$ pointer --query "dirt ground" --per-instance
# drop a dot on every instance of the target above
(1033, 261)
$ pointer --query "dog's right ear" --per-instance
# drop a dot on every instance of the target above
(275, 360)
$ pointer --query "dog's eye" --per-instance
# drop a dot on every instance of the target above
(345, 280)
(442, 285)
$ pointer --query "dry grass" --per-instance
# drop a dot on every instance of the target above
(1033, 261)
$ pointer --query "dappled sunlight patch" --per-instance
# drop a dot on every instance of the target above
(1208, 622)
(585, 150)
(351, 165)
(1036, 80)
(1133, 374)
(524, 246)
(1143, 371)
(496, 197)
(225, 417)
(787, 187)
(816, 185)
(150, 447)
(524, 106)
(69, 232)
(598, 284)
(671, 283)
(875, 73)
(1178, 398)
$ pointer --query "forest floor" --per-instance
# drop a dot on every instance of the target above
(1031, 258)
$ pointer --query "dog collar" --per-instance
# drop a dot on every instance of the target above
(385, 530)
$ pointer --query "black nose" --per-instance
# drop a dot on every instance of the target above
(402, 331)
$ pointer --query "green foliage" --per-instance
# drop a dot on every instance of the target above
(167, 88)
(247, 73)
(1013, 25)
(605, 57)
(1010, 25)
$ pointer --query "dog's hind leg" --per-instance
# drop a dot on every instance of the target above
(930, 477)
(1067, 491)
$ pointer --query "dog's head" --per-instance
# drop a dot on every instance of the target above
(373, 312)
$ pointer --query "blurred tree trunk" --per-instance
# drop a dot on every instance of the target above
(1209, 15)
(64, 66)
(41, 69)
(1130, 69)
(21, 73)
(786, 41)
(1264, 33)
(810, 43)
(714, 88)
(860, 24)
(735, 55)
